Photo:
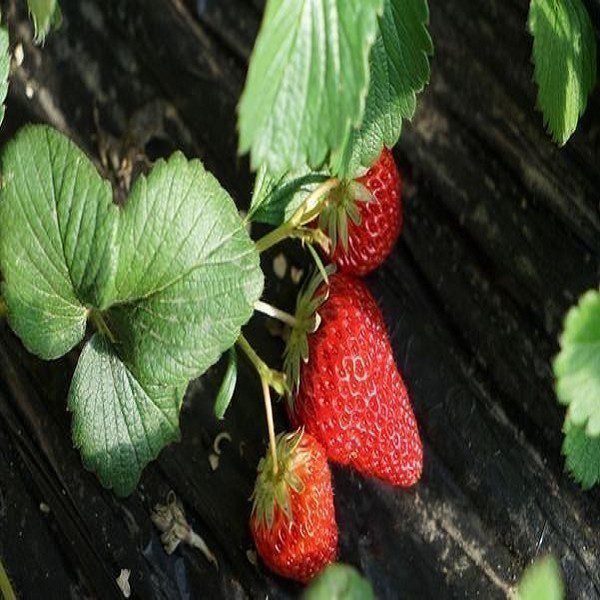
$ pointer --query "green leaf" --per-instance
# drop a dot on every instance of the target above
(399, 70)
(307, 81)
(542, 581)
(227, 385)
(57, 230)
(339, 582)
(564, 56)
(577, 366)
(275, 199)
(188, 274)
(4, 69)
(118, 425)
(171, 277)
(45, 14)
(582, 454)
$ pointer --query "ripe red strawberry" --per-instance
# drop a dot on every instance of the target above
(364, 227)
(293, 518)
(350, 395)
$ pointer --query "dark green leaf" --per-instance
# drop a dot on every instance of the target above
(582, 454)
(307, 81)
(399, 70)
(57, 231)
(564, 56)
(227, 385)
(118, 425)
(339, 582)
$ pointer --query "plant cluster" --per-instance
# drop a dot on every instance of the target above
(168, 280)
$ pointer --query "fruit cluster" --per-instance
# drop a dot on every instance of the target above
(347, 400)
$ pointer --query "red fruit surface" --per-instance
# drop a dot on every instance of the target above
(371, 242)
(301, 546)
(351, 396)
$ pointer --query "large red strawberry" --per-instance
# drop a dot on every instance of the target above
(363, 218)
(349, 393)
(293, 517)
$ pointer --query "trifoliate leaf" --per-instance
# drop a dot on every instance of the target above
(4, 69)
(339, 582)
(399, 70)
(577, 367)
(118, 426)
(276, 198)
(57, 231)
(582, 454)
(45, 14)
(307, 81)
(542, 581)
(564, 56)
(227, 388)
(188, 274)
(172, 277)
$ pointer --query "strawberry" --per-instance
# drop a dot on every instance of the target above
(350, 395)
(363, 218)
(293, 517)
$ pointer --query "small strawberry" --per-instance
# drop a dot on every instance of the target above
(363, 218)
(293, 518)
(350, 395)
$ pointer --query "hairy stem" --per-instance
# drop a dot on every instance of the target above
(275, 313)
(267, 377)
(6, 590)
(308, 210)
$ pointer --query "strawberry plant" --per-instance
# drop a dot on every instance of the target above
(158, 288)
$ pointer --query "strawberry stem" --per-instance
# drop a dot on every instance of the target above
(6, 590)
(306, 212)
(275, 313)
(270, 425)
(269, 378)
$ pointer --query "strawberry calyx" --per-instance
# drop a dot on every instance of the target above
(274, 481)
(310, 299)
(342, 205)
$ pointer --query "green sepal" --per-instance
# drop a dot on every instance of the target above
(307, 322)
(272, 488)
(342, 206)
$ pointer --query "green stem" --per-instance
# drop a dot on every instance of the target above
(309, 210)
(268, 379)
(97, 319)
(6, 590)
(275, 313)
(3, 308)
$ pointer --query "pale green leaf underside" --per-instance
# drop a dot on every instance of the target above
(399, 70)
(276, 198)
(339, 582)
(45, 14)
(4, 69)
(564, 56)
(582, 455)
(57, 228)
(577, 367)
(542, 581)
(307, 81)
(117, 425)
